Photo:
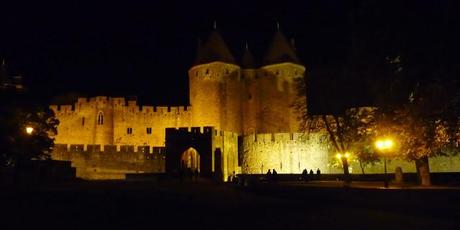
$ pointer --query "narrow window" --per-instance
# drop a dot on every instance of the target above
(100, 119)
(83, 121)
(129, 130)
(149, 130)
(207, 71)
(226, 71)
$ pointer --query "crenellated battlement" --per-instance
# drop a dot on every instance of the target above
(118, 103)
(280, 137)
(108, 149)
(203, 130)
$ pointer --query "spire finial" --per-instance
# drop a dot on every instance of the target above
(215, 24)
(278, 25)
(246, 45)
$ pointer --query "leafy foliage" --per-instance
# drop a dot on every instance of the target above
(16, 145)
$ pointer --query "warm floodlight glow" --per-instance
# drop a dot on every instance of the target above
(29, 130)
(340, 155)
(384, 144)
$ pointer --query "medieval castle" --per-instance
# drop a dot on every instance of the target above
(240, 120)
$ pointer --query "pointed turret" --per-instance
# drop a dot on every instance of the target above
(213, 50)
(247, 61)
(280, 51)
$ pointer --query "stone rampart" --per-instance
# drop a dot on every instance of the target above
(112, 163)
(285, 152)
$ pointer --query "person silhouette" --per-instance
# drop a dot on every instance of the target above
(311, 174)
(318, 173)
(305, 175)
(269, 175)
(275, 176)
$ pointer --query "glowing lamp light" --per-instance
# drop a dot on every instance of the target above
(338, 155)
(384, 144)
(29, 130)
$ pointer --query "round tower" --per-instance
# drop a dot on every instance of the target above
(277, 84)
(214, 86)
(249, 97)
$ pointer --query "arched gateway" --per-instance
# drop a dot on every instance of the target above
(190, 159)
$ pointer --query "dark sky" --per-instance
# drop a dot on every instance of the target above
(145, 48)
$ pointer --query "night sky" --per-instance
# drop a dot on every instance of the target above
(145, 48)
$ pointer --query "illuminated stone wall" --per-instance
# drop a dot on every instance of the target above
(112, 163)
(250, 102)
(285, 152)
(215, 90)
(79, 123)
(227, 142)
(276, 92)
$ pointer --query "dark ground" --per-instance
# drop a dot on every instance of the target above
(205, 205)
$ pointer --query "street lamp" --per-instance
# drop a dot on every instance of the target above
(344, 158)
(384, 145)
(29, 130)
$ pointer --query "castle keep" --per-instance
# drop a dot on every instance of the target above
(240, 120)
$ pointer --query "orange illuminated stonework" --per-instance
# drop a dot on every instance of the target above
(248, 106)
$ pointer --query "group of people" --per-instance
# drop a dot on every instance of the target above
(272, 176)
(310, 176)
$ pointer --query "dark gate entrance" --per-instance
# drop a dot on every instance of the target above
(189, 149)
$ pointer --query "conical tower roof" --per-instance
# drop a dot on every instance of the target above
(214, 49)
(280, 51)
(247, 61)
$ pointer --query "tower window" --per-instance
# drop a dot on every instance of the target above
(149, 130)
(207, 71)
(100, 119)
(83, 121)
(226, 71)
(129, 130)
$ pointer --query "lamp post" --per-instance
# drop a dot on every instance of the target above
(344, 159)
(384, 145)
(29, 130)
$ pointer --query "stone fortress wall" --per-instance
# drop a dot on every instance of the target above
(228, 143)
(249, 107)
(111, 163)
(293, 152)
(81, 123)
(285, 152)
